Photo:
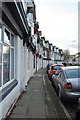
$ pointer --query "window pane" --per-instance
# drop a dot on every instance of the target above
(56, 67)
(73, 73)
(12, 40)
(6, 64)
(12, 63)
(0, 63)
(6, 36)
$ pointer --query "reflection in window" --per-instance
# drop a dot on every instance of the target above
(0, 63)
(6, 64)
(12, 63)
(6, 36)
(12, 40)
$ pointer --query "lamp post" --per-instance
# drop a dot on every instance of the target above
(72, 44)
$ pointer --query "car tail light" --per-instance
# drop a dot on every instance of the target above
(54, 71)
(68, 86)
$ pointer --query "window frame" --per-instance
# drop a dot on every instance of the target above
(11, 47)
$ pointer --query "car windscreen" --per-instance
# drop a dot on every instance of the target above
(56, 67)
(72, 73)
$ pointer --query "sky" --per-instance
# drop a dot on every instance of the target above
(58, 21)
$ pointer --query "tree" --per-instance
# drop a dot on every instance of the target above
(66, 54)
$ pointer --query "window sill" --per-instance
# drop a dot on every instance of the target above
(5, 91)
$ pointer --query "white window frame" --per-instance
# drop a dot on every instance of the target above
(11, 47)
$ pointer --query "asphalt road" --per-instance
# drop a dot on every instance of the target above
(70, 106)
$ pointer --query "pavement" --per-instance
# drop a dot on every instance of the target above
(39, 100)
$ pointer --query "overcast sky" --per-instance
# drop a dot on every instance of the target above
(58, 21)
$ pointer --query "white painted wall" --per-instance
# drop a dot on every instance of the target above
(44, 63)
(29, 72)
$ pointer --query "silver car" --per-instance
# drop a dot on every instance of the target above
(67, 82)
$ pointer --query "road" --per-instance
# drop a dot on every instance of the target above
(71, 108)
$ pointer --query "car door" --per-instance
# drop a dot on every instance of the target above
(56, 78)
(61, 81)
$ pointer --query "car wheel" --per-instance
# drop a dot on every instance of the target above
(78, 115)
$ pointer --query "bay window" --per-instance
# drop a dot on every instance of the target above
(6, 56)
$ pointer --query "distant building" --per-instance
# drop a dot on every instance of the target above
(77, 58)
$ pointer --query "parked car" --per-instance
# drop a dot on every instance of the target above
(53, 69)
(67, 82)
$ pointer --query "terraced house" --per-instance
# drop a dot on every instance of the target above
(17, 58)
(22, 51)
